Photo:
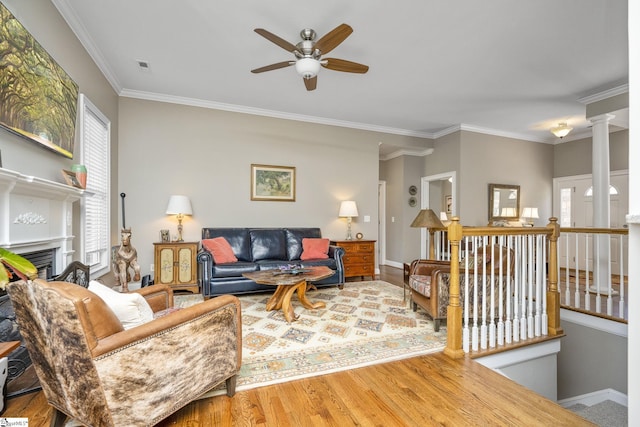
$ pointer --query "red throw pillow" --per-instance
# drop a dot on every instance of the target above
(220, 250)
(314, 248)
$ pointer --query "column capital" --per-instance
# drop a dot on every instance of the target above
(602, 118)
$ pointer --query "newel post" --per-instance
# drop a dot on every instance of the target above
(454, 310)
(553, 296)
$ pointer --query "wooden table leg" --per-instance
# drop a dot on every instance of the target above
(302, 296)
(281, 299)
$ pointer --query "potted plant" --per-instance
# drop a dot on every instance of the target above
(11, 264)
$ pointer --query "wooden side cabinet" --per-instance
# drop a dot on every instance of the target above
(175, 265)
(359, 257)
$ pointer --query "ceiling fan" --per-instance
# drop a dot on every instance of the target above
(308, 54)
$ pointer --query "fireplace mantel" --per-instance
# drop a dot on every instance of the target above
(37, 214)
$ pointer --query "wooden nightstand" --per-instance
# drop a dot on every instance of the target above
(359, 257)
(175, 265)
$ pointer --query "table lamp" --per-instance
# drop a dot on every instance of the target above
(428, 219)
(530, 214)
(180, 206)
(348, 209)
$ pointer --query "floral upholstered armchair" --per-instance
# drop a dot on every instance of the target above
(97, 372)
(429, 281)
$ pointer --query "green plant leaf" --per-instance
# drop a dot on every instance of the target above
(14, 263)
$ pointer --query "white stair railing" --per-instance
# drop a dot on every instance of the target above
(503, 296)
(598, 287)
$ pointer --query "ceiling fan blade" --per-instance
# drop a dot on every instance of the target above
(343, 65)
(333, 38)
(311, 83)
(273, 66)
(289, 47)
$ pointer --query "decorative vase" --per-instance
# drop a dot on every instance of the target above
(81, 174)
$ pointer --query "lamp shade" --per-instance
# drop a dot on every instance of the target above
(427, 218)
(508, 212)
(530, 213)
(348, 209)
(179, 205)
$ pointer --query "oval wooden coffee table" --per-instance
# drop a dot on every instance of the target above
(288, 284)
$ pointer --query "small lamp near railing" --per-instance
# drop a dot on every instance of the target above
(348, 209)
(428, 219)
(528, 215)
(180, 206)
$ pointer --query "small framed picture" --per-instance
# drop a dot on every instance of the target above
(448, 202)
(274, 183)
(164, 236)
(71, 178)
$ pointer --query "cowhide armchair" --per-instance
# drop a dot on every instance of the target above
(99, 374)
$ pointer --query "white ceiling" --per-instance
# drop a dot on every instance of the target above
(511, 68)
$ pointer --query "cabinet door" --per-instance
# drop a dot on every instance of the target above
(166, 265)
(186, 268)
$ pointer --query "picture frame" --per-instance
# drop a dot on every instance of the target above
(71, 179)
(273, 183)
(48, 115)
(165, 236)
(448, 203)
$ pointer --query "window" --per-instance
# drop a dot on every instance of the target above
(95, 148)
(612, 191)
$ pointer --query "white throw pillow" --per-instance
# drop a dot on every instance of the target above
(130, 308)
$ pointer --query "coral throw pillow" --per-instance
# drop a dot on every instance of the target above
(314, 248)
(220, 250)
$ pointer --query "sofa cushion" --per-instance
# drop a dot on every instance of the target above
(268, 244)
(220, 249)
(294, 240)
(421, 284)
(233, 269)
(238, 238)
(130, 308)
(314, 249)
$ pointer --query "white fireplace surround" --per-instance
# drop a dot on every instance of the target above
(37, 214)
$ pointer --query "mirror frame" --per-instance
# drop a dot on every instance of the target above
(492, 189)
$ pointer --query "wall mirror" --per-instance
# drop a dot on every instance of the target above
(504, 202)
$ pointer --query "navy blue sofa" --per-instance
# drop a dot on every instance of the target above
(260, 249)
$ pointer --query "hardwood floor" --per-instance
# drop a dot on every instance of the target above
(421, 391)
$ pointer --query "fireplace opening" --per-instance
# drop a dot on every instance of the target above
(19, 359)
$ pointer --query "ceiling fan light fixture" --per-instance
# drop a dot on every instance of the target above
(561, 130)
(307, 67)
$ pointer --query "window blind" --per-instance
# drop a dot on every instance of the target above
(95, 140)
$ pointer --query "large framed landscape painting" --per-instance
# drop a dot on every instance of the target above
(276, 183)
(38, 99)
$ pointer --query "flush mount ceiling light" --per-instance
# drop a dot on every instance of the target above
(561, 130)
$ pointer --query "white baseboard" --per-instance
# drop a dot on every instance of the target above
(393, 264)
(596, 397)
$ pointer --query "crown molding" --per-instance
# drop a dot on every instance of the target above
(406, 152)
(618, 90)
(82, 35)
(150, 96)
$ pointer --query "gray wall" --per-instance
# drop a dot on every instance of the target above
(207, 154)
(487, 159)
(46, 25)
(575, 157)
(590, 361)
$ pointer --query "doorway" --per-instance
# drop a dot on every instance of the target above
(438, 192)
(573, 206)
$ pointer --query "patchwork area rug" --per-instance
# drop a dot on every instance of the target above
(363, 324)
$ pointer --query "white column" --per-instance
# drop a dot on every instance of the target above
(601, 201)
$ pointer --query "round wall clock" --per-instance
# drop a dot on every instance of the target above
(359, 236)
(413, 190)
(412, 201)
